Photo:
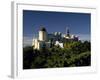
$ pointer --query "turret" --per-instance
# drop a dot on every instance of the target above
(42, 34)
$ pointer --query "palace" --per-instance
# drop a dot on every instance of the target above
(47, 40)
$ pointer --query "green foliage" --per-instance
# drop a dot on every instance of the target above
(73, 54)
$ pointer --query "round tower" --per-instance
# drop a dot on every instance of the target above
(42, 34)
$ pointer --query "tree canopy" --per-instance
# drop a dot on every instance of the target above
(74, 53)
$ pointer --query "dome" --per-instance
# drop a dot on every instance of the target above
(42, 29)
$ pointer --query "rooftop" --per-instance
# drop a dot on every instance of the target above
(42, 29)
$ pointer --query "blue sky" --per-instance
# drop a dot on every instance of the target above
(78, 23)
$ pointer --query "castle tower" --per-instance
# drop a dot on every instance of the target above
(42, 34)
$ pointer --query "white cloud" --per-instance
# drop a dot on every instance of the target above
(84, 37)
(27, 41)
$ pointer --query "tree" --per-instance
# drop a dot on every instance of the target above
(27, 57)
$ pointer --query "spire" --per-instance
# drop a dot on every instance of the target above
(67, 31)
